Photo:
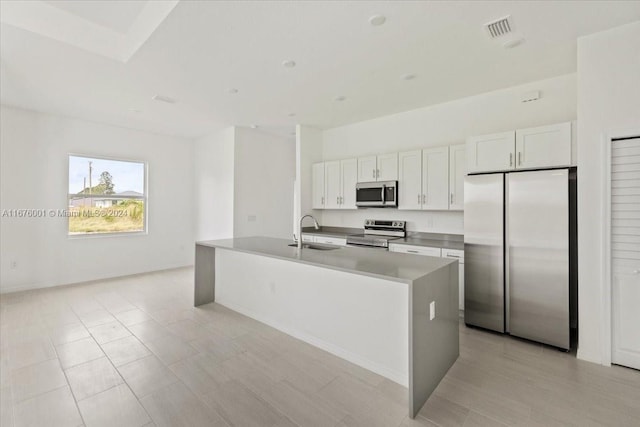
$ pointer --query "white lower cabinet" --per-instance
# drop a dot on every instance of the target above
(337, 241)
(327, 240)
(459, 255)
(412, 249)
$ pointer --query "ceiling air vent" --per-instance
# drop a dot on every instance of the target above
(499, 27)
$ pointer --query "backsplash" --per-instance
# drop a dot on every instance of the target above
(424, 221)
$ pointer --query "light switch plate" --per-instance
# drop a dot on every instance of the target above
(432, 310)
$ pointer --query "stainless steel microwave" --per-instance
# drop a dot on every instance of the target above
(382, 194)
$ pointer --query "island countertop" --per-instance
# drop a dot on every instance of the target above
(374, 262)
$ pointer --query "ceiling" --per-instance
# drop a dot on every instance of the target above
(195, 52)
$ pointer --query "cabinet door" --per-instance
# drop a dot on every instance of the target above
(388, 167)
(317, 193)
(459, 255)
(410, 180)
(349, 178)
(544, 146)
(489, 153)
(435, 178)
(367, 169)
(457, 172)
(417, 250)
(337, 241)
(332, 185)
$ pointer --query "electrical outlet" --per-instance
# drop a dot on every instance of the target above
(432, 310)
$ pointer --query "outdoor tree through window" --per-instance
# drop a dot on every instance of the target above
(106, 196)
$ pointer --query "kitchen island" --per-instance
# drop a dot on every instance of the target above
(394, 314)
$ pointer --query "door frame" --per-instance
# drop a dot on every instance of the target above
(606, 321)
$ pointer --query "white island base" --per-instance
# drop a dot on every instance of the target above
(381, 324)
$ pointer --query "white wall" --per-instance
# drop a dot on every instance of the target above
(445, 124)
(308, 152)
(608, 101)
(213, 184)
(264, 174)
(34, 151)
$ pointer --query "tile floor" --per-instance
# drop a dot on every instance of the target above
(134, 352)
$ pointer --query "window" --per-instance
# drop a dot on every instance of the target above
(106, 196)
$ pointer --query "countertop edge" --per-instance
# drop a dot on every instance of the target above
(315, 264)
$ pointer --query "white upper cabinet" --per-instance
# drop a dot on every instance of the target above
(349, 178)
(491, 152)
(532, 148)
(388, 167)
(332, 185)
(378, 168)
(367, 169)
(317, 190)
(435, 178)
(410, 180)
(457, 171)
(423, 179)
(544, 146)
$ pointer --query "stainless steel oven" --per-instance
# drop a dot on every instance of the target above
(382, 194)
(378, 233)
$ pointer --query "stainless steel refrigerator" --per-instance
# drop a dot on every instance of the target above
(521, 254)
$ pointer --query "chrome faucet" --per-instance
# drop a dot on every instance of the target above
(315, 224)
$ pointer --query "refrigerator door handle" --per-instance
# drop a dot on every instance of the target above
(507, 305)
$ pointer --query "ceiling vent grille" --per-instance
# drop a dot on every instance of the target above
(499, 27)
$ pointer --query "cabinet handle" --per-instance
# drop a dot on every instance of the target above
(424, 199)
(418, 199)
(451, 198)
(322, 202)
(337, 200)
(412, 252)
(520, 158)
(377, 173)
(510, 159)
(374, 173)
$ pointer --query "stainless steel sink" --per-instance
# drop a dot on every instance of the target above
(316, 247)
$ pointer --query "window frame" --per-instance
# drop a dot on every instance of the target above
(97, 235)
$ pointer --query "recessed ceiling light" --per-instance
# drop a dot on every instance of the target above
(340, 98)
(163, 98)
(254, 126)
(233, 90)
(408, 76)
(134, 110)
(288, 63)
(291, 114)
(377, 20)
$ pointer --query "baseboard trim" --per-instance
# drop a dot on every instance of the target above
(36, 286)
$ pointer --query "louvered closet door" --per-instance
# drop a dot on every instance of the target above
(625, 251)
